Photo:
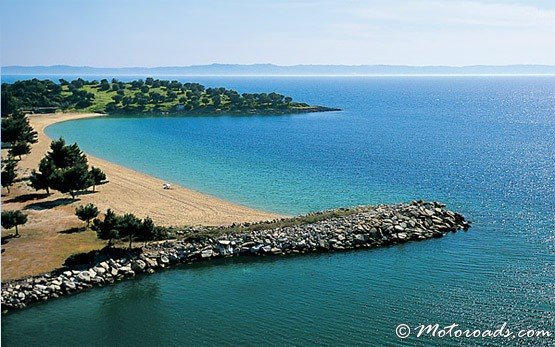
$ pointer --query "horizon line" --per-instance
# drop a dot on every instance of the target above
(277, 65)
(299, 75)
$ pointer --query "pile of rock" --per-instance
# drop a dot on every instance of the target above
(363, 227)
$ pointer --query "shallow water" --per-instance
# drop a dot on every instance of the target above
(483, 145)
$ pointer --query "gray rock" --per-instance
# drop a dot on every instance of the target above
(151, 262)
(124, 270)
(69, 285)
(275, 250)
(99, 270)
(84, 276)
(138, 265)
(207, 253)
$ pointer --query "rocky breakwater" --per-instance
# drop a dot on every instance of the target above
(335, 230)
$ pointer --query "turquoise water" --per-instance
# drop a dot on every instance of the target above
(483, 145)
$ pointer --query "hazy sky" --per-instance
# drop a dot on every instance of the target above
(109, 33)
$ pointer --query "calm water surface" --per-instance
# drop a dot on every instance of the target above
(483, 145)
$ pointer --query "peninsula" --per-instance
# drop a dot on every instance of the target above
(150, 96)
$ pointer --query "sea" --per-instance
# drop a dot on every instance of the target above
(483, 145)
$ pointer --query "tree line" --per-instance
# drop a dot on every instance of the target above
(128, 227)
(29, 94)
(149, 95)
(120, 227)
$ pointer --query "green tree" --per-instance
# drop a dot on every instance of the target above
(106, 229)
(147, 231)
(12, 219)
(72, 179)
(97, 176)
(16, 129)
(129, 226)
(10, 103)
(43, 178)
(117, 98)
(104, 85)
(86, 213)
(20, 148)
(9, 174)
(64, 168)
(65, 156)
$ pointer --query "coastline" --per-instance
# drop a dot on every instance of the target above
(130, 191)
(339, 230)
(53, 227)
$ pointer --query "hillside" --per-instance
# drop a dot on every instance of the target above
(151, 96)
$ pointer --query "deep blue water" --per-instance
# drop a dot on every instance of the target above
(483, 145)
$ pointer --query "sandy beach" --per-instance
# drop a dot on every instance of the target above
(127, 191)
(143, 195)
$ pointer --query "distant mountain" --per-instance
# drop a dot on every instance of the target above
(270, 69)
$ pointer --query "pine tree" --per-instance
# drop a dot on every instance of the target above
(9, 174)
(12, 219)
(86, 213)
(97, 176)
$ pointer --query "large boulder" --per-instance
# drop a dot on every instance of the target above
(99, 270)
(84, 276)
(138, 265)
(207, 253)
(164, 260)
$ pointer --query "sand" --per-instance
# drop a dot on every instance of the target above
(141, 194)
(51, 233)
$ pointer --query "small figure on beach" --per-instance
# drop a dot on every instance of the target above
(167, 186)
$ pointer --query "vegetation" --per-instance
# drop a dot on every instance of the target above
(16, 128)
(9, 174)
(86, 213)
(11, 219)
(107, 229)
(17, 133)
(20, 148)
(266, 225)
(71, 179)
(65, 168)
(41, 179)
(17, 136)
(127, 226)
(97, 176)
(30, 95)
(142, 96)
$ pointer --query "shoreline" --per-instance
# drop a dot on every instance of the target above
(363, 227)
(53, 227)
(130, 191)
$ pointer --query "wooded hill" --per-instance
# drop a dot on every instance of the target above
(142, 96)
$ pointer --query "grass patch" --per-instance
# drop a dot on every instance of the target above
(310, 218)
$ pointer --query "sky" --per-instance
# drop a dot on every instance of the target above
(125, 33)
